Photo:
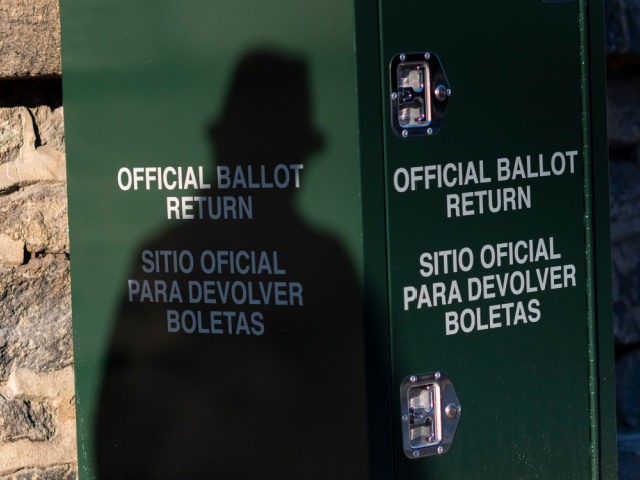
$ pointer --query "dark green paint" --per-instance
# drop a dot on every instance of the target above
(142, 82)
(516, 73)
(601, 242)
(374, 226)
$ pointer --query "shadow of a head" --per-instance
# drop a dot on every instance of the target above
(267, 115)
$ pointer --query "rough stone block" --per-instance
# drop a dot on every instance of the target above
(37, 216)
(628, 390)
(10, 134)
(38, 426)
(50, 125)
(628, 456)
(623, 26)
(29, 38)
(56, 472)
(623, 105)
(625, 250)
(30, 419)
(11, 251)
(35, 316)
(35, 161)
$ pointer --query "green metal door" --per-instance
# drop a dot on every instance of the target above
(171, 108)
(487, 281)
(489, 245)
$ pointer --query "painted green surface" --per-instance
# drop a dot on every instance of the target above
(515, 70)
(143, 81)
(380, 412)
(602, 243)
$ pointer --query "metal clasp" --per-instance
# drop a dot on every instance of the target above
(420, 93)
(430, 414)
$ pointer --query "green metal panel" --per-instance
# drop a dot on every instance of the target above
(601, 242)
(374, 226)
(253, 84)
(153, 84)
(526, 379)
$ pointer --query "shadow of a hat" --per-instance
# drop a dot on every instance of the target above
(268, 106)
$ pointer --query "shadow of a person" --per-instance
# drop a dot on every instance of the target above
(266, 380)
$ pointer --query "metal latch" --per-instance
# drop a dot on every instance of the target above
(430, 414)
(420, 93)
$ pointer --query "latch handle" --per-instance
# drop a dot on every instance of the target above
(430, 414)
(420, 93)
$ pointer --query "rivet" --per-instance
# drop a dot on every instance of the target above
(404, 134)
(416, 453)
(440, 450)
(427, 56)
(412, 378)
(402, 57)
(405, 418)
(430, 132)
(394, 96)
(451, 411)
(440, 93)
(449, 92)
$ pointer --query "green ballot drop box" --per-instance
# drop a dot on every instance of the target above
(339, 239)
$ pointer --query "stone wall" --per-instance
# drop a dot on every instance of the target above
(37, 411)
(623, 65)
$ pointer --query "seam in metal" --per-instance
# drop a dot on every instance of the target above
(588, 227)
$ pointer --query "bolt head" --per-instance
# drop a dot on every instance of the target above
(404, 134)
(440, 93)
(416, 453)
(449, 92)
(430, 132)
(403, 57)
(427, 56)
(440, 450)
(394, 96)
(451, 411)
(405, 418)
(437, 374)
